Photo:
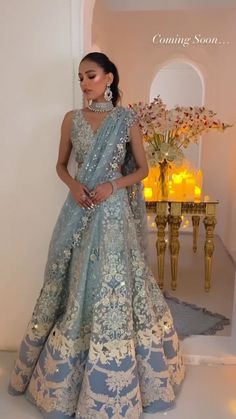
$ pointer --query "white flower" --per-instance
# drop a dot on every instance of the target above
(166, 131)
(167, 152)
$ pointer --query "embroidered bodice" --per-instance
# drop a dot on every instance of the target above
(82, 135)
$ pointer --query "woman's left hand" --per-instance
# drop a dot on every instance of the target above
(101, 192)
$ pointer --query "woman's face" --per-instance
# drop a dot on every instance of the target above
(93, 80)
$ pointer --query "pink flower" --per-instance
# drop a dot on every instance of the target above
(177, 127)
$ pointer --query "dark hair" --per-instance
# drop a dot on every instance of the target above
(109, 67)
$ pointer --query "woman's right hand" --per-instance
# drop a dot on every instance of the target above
(80, 194)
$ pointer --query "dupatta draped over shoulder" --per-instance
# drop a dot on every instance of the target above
(101, 341)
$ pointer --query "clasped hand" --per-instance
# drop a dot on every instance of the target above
(89, 198)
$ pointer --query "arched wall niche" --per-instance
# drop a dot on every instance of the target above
(180, 81)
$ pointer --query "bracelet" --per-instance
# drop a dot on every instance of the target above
(114, 186)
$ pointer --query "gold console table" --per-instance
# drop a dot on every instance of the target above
(170, 213)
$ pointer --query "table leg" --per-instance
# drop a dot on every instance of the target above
(209, 222)
(174, 246)
(161, 221)
(195, 222)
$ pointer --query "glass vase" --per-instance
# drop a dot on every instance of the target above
(163, 181)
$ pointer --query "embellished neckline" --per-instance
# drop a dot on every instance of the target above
(101, 106)
(101, 124)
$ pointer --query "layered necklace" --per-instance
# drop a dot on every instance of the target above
(101, 106)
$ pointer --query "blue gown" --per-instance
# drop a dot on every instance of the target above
(101, 341)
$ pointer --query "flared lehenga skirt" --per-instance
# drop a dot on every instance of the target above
(111, 350)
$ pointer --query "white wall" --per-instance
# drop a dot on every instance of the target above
(130, 5)
(36, 91)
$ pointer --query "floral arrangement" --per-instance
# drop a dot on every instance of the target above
(168, 131)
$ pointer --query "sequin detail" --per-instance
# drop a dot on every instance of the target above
(101, 341)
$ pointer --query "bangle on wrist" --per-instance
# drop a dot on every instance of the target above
(114, 186)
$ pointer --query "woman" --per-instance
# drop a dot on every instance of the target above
(101, 342)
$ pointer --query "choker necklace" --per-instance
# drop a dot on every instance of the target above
(101, 106)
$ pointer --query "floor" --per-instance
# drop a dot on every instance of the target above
(191, 275)
(208, 392)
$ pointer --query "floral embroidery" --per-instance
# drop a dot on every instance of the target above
(101, 341)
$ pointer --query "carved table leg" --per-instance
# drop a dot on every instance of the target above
(209, 222)
(174, 246)
(161, 221)
(195, 222)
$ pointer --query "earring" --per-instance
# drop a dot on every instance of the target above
(108, 93)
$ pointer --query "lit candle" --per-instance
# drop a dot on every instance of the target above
(177, 186)
(189, 189)
(198, 192)
(198, 186)
(186, 184)
(150, 184)
(148, 193)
